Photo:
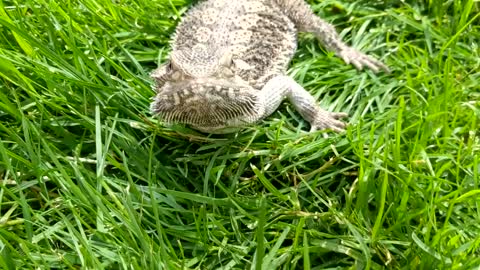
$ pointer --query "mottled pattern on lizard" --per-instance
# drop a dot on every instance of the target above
(228, 63)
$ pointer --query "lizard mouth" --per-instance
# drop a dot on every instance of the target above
(207, 105)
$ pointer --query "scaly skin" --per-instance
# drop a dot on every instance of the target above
(228, 63)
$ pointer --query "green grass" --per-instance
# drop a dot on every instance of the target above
(88, 179)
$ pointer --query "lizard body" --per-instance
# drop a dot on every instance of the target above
(228, 63)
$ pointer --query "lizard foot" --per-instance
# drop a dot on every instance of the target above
(328, 120)
(359, 60)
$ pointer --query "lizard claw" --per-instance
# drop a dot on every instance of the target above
(328, 120)
(359, 60)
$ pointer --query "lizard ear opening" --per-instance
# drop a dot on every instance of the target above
(206, 106)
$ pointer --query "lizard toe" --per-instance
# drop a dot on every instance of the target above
(329, 121)
(360, 60)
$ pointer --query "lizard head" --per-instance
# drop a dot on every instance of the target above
(214, 103)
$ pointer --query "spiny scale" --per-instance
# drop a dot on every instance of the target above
(205, 105)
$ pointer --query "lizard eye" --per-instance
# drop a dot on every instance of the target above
(162, 74)
(169, 66)
(226, 60)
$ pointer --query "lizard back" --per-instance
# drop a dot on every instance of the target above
(255, 34)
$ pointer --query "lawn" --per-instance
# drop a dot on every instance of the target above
(89, 179)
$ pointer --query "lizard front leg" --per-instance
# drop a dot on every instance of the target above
(306, 21)
(284, 87)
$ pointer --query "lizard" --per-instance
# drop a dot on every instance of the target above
(226, 69)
